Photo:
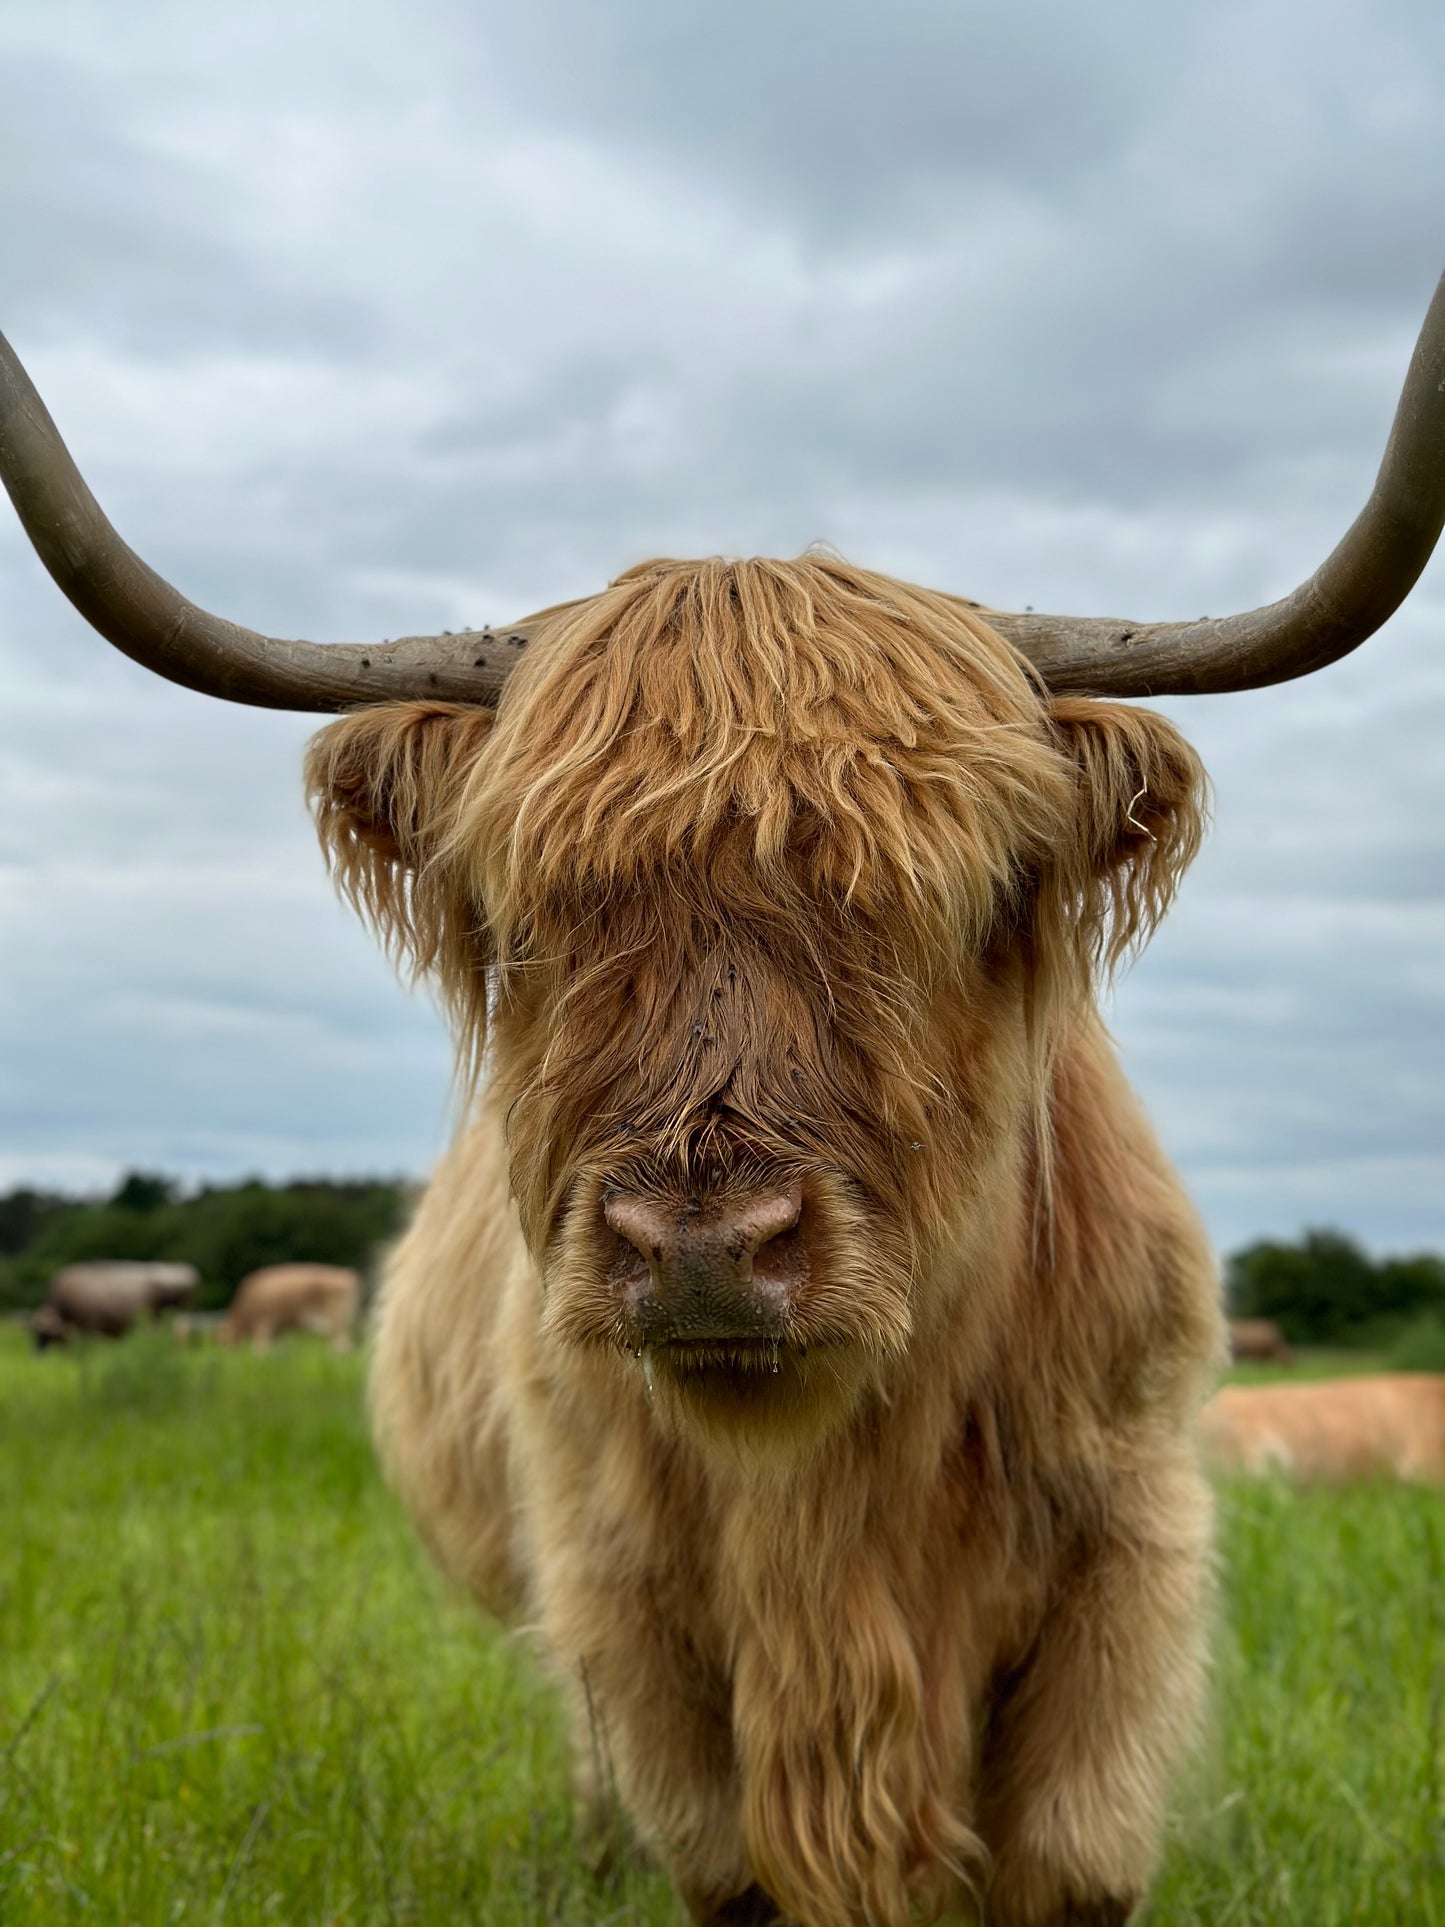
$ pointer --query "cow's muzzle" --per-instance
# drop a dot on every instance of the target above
(707, 1273)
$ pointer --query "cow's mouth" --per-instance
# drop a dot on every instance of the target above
(750, 1390)
(751, 1367)
(742, 1357)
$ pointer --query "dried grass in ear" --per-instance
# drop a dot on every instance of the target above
(384, 787)
(1143, 803)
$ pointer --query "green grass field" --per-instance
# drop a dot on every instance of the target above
(231, 1690)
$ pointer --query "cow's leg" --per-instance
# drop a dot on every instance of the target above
(1083, 1735)
(710, 1896)
(653, 1740)
(751, 1908)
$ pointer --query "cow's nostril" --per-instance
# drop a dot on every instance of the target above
(758, 1223)
(641, 1222)
(741, 1232)
(780, 1258)
(725, 1273)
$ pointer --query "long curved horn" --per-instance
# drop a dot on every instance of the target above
(159, 628)
(1353, 591)
(1360, 584)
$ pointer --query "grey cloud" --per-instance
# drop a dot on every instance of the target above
(847, 117)
(104, 236)
(180, 987)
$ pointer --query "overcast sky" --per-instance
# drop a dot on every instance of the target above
(374, 317)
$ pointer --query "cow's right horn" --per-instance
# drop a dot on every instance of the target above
(1356, 588)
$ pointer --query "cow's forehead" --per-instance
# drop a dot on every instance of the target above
(765, 726)
(801, 651)
(792, 854)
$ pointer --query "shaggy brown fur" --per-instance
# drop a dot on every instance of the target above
(1390, 1426)
(774, 875)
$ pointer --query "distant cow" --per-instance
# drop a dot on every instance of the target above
(1260, 1341)
(1331, 1430)
(107, 1297)
(323, 1299)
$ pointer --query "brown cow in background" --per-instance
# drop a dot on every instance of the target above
(1258, 1341)
(806, 1333)
(106, 1297)
(1330, 1430)
(322, 1299)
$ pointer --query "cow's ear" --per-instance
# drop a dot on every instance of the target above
(1142, 804)
(385, 787)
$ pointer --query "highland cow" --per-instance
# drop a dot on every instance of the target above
(105, 1298)
(324, 1300)
(806, 1335)
(1389, 1425)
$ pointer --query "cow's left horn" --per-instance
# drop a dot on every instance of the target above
(1353, 591)
(158, 627)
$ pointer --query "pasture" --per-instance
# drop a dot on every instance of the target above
(232, 1691)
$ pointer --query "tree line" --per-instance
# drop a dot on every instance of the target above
(224, 1230)
(1326, 1290)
